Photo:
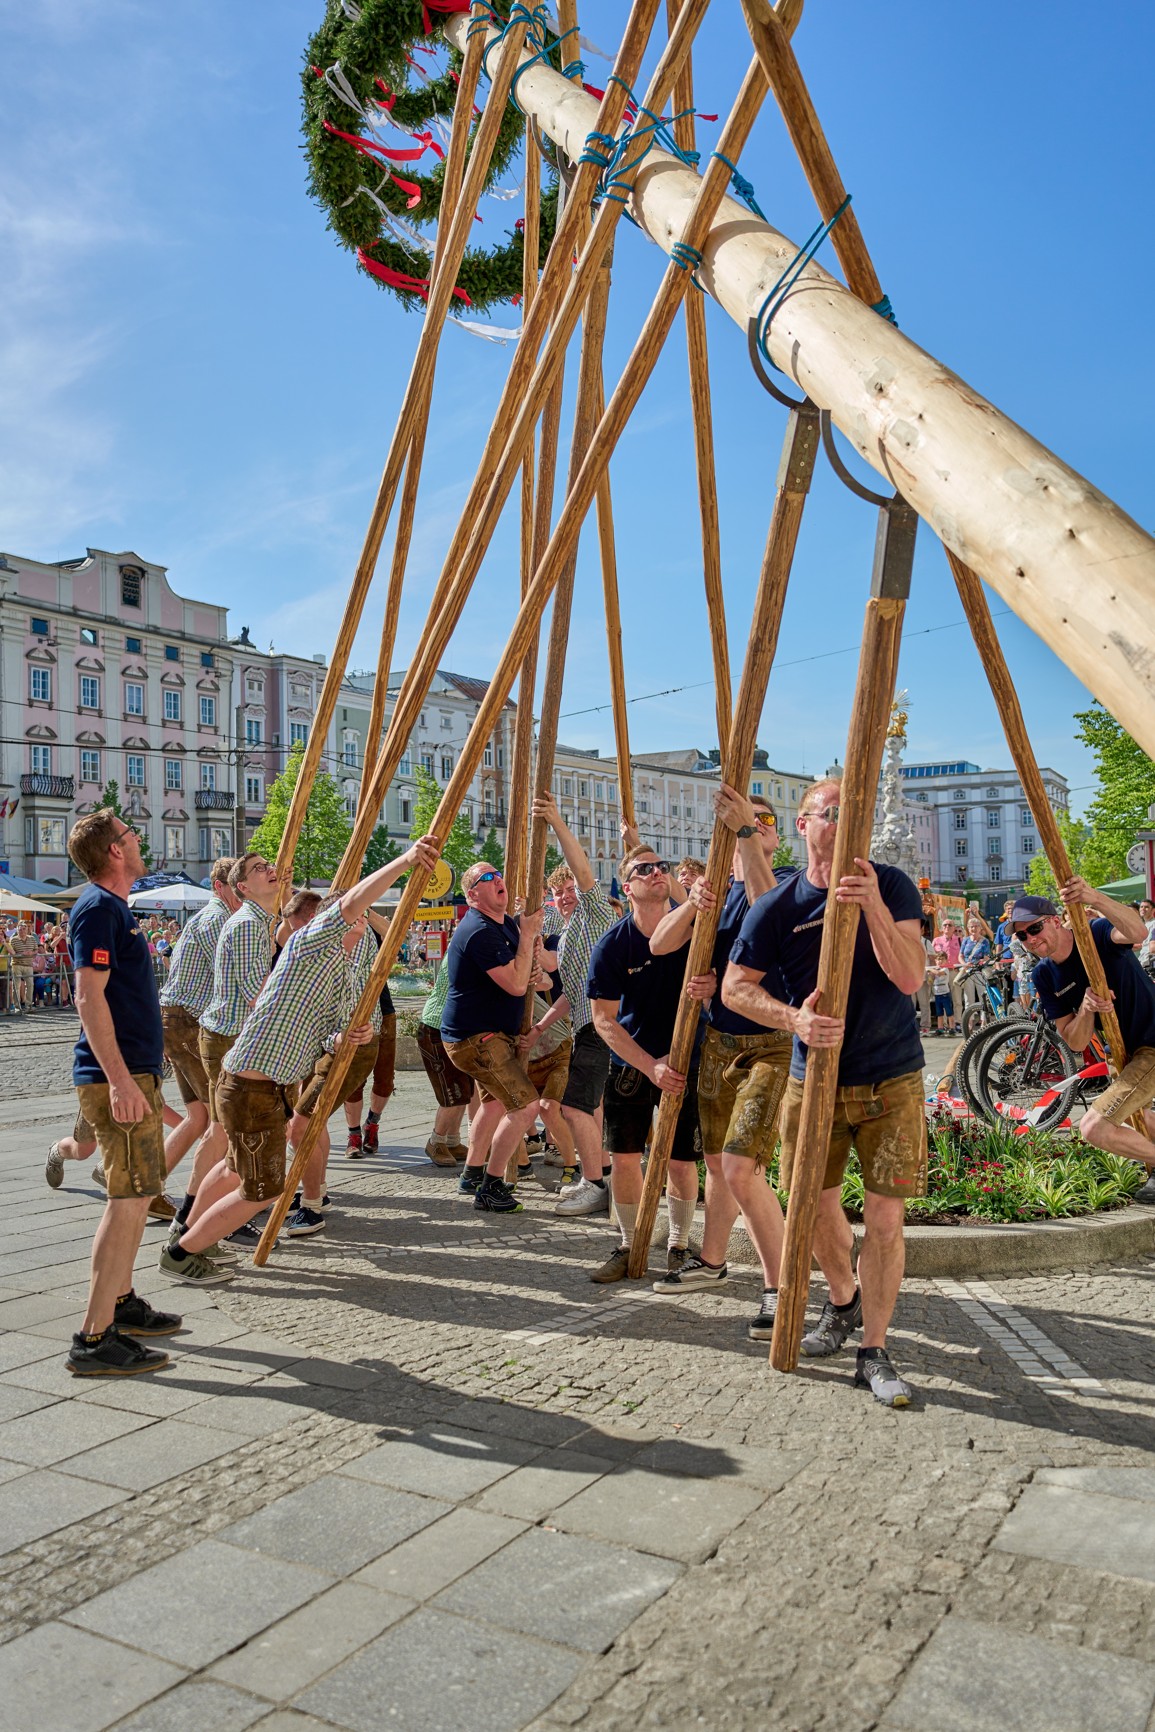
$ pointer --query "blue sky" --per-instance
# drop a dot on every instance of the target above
(191, 367)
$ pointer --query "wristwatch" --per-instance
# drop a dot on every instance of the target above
(747, 830)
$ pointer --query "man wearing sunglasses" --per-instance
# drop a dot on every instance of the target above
(879, 1110)
(634, 999)
(1066, 997)
(490, 963)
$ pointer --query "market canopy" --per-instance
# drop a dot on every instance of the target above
(11, 903)
(175, 896)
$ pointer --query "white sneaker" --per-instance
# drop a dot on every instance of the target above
(584, 1198)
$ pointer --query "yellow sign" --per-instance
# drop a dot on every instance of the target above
(440, 882)
(442, 911)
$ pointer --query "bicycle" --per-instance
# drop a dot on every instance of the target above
(1022, 1069)
(998, 1001)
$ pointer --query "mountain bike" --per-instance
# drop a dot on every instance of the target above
(998, 1000)
(1022, 1069)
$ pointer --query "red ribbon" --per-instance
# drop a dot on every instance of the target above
(370, 148)
(400, 280)
(429, 6)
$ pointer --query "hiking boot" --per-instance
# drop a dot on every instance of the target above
(761, 1325)
(135, 1316)
(195, 1268)
(162, 1208)
(496, 1195)
(585, 1198)
(615, 1268)
(369, 1137)
(875, 1372)
(835, 1327)
(54, 1167)
(354, 1147)
(114, 1355)
(439, 1152)
(553, 1157)
(302, 1222)
(470, 1181)
(688, 1274)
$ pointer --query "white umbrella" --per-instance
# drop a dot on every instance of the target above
(175, 896)
(10, 903)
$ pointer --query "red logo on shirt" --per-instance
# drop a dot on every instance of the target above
(100, 956)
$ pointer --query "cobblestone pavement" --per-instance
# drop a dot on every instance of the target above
(420, 1472)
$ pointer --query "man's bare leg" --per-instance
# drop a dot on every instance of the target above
(114, 1252)
(587, 1136)
(880, 1265)
(721, 1213)
(1104, 1133)
(761, 1211)
(834, 1246)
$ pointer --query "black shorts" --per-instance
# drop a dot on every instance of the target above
(589, 1067)
(630, 1100)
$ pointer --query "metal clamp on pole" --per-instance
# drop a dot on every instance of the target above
(757, 361)
(897, 524)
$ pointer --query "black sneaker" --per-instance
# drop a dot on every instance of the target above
(761, 1325)
(496, 1195)
(135, 1316)
(470, 1181)
(875, 1372)
(246, 1235)
(1145, 1193)
(302, 1222)
(835, 1327)
(326, 1203)
(690, 1274)
(114, 1355)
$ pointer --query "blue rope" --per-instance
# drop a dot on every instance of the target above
(533, 17)
(573, 68)
(689, 258)
(790, 276)
(741, 185)
(607, 142)
(884, 309)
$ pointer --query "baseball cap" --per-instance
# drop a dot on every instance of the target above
(1029, 908)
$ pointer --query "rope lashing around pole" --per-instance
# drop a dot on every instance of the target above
(689, 258)
(790, 276)
(884, 310)
(742, 186)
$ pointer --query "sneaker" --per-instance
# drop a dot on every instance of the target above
(496, 1195)
(875, 1372)
(194, 1268)
(689, 1276)
(439, 1152)
(470, 1181)
(536, 1144)
(114, 1355)
(162, 1208)
(302, 1222)
(615, 1268)
(553, 1157)
(326, 1202)
(54, 1167)
(571, 1178)
(245, 1236)
(1145, 1193)
(585, 1198)
(224, 1255)
(761, 1325)
(354, 1147)
(835, 1327)
(369, 1137)
(135, 1316)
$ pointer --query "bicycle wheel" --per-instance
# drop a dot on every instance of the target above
(976, 1016)
(1014, 1064)
(965, 1082)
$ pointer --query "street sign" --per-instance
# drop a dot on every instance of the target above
(440, 882)
(435, 945)
(439, 911)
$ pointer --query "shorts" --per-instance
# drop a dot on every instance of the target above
(589, 1067)
(495, 1065)
(133, 1155)
(385, 1070)
(213, 1048)
(253, 1111)
(943, 1004)
(1132, 1090)
(182, 1050)
(360, 1070)
(741, 1081)
(82, 1131)
(630, 1100)
(550, 1073)
(884, 1123)
(451, 1087)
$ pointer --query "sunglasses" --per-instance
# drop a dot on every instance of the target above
(648, 866)
(488, 877)
(1033, 930)
(830, 813)
(768, 820)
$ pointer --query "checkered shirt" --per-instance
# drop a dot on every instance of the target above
(190, 975)
(434, 1007)
(590, 921)
(553, 921)
(241, 966)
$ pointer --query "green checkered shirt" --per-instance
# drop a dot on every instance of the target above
(434, 1007)
(241, 966)
(190, 974)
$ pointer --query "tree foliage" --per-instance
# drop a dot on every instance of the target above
(783, 855)
(492, 850)
(1126, 778)
(1076, 836)
(324, 833)
(381, 850)
(457, 847)
(110, 796)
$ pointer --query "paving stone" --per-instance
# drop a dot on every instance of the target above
(337, 1524)
(770, 1469)
(975, 1677)
(281, 1661)
(57, 1679)
(12, 1470)
(150, 1457)
(15, 1401)
(436, 1556)
(63, 1429)
(662, 1513)
(561, 1588)
(509, 1419)
(552, 1479)
(1132, 1482)
(38, 1503)
(198, 1706)
(441, 1462)
(201, 1602)
(244, 1410)
(330, 1373)
(1083, 1527)
(18, 1348)
(487, 1679)
(288, 1720)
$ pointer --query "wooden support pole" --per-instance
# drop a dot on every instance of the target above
(609, 557)
(798, 453)
(1010, 711)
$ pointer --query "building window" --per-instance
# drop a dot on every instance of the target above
(254, 792)
(1028, 844)
(1027, 818)
(446, 768)
(995, 874)
(38, 627)
(208, 776)
(992, 793)
(132, 646)
(208, 712)
(298, 733)
(962, 874)
(501, 757)
(174, 841)
(960, 820)
(994, 818)
(89, 692)
(994, 845)
(960, 849)
(567, 785)
(172, 706)
(40, 685)
(171, 653)
(583, 824)
(42, 760)
(960, 793)
(599, 790)
(44, 835)
(172, 773)
(253, 688)
(252, 731)
(446, 721)
(406, 809)
(349, 749)
(90, 767)
(133, 699)
(487, 758)
(405, 767)
(130, 585)
(89, 635)
(601, 829)
(755, 787)
(207, 659)
(427, 762)
(134, 763)
(612, 794)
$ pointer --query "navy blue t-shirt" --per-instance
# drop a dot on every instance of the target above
(475, 1004)
(103, 934)
(1061, 985)
(649, 987)
(785, 928)
(734, 911)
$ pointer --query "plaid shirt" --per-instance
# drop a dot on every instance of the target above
(241, 966)
(307, 1001)
(434, 1007)
(553, 922)
(190, 975)
(590, 920)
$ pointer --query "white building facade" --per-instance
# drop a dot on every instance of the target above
(983, 830)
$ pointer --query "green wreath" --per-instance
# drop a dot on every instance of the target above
(368, 48)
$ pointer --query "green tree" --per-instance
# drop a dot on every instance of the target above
(324, 833)
(492, 850)
(783, 855)
(553, 858)
(1126, 788)
(1040, 878)
(110, 796)
(382, 848)
(457, 847)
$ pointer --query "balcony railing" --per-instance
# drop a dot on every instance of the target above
(55, 787)
(214, 800)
